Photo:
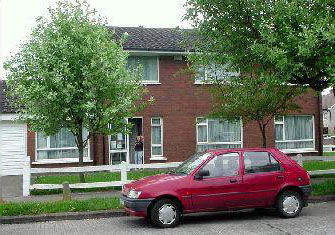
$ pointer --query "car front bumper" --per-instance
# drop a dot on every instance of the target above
(136, 207)
(306, 192)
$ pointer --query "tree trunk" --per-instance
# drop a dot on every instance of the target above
(262, 128)
(264, 137)
(80, 146)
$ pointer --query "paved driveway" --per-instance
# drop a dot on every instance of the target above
(316, 219)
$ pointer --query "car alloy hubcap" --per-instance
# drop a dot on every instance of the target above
(291, 204)
(167, 214)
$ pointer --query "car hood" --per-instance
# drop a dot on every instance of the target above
(155, 179)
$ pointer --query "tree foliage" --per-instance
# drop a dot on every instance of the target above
(294, 39)
(72, 73)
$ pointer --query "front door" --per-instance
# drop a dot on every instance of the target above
(122, 146)
(222, 188)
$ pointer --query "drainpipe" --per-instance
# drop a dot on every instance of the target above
(320, 124)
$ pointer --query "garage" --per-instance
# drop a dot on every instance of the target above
(13, 146)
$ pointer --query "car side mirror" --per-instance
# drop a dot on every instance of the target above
(200, 174)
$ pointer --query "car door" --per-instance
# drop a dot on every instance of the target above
(262, 178)
(222, 188)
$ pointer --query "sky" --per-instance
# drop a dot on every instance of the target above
(17, 18)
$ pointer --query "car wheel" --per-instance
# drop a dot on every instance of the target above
(165, 213)
(289, 204)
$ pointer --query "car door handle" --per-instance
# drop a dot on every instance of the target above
(280, 177)
(233, 180)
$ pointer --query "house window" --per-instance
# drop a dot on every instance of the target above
(213, 134)
(211, 73)
(149, 67)
(294, 132)
(156, 137)
(59, 146)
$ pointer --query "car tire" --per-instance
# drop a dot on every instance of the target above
(165, 213)
(289, 204)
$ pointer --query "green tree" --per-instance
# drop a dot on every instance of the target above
(257, 99)
(273, 44)
(72, 73)
(295, 39)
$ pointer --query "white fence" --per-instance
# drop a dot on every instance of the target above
(123, 168)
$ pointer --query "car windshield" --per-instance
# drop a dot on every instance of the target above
(190, 164)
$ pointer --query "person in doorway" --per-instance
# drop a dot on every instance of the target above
(139, 150)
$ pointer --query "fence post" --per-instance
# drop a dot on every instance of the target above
(66, 191)
(26, 177)
(299, 159)
(123, 168)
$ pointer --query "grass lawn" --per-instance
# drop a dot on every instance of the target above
(325, 188)
(318, 165)
(328, 153)
(90, 178)
(35, 208)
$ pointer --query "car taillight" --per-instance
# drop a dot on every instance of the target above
(308, 178)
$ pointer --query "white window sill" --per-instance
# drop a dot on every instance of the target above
(55, 161)
(298, 150)
(203, 83)
(151, 83)
(153, 158)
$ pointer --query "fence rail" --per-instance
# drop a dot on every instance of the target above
(123, 168)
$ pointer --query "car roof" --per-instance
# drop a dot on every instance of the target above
(220, 151)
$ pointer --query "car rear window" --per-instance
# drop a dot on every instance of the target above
(259, 162)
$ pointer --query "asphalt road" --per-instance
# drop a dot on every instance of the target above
(316, 219)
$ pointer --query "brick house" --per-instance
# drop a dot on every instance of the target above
(174, 127)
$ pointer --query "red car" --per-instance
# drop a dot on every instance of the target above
(221, 180)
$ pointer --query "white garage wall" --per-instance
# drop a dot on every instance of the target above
(13, 145)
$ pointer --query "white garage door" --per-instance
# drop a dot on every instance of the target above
(13, 147)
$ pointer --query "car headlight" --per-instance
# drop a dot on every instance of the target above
(134, 194)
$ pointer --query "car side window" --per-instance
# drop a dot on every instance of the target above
(258, 162)
(223, 165)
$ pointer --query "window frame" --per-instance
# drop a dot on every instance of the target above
(292, 141)
(150, 82)
(59, 160)
(161, 156)
(215, 143)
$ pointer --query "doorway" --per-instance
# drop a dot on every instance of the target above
(122, 147)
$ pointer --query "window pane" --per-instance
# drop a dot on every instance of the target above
(156, 121)
(41, 141)
(201, 121)
(59, 154)
(156, 135)
(148, 64)
(64, 138)
(118, 141)
(279, 131)
(278, 118)
(258, 162)
(157, 151)
(298, 127)
(202, 134)
(117, 158)
(223, 165)
(224, 131)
